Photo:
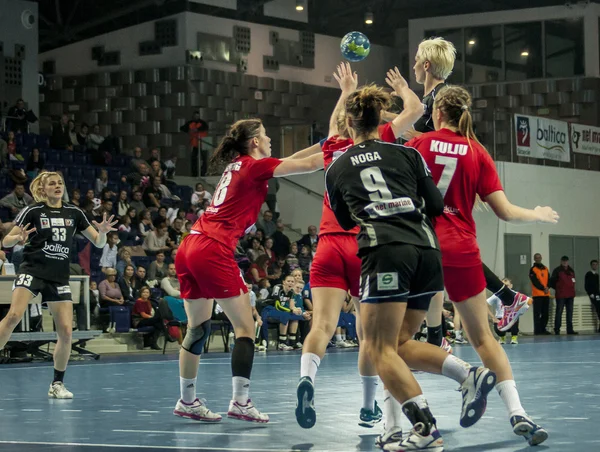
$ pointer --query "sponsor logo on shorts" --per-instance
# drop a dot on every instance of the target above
(387, 281)
(57, 221)
(62, 290)
(45, 223)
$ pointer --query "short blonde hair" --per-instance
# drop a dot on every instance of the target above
(440, 54)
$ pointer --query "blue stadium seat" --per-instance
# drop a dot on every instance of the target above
(89, 174)
(79, 158)
(53, 156)
(76, 171)
(67, 158)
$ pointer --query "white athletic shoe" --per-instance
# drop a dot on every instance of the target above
(284, 347)
(246, 412)
(475, 390)
(342, 344)
(58, 391)
(197, 411)
(393, 435)
(418, 441)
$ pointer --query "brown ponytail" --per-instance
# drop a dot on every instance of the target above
(455, 102)
(234, 144)
(363, 108)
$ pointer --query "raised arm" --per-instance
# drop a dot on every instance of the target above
(413, 108)
(507, 211)
(299, 166)
(17, 234)
(348, 82)
(308, 152)
(97, 235)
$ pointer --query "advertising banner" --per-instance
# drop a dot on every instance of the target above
(542, 138)
(585, 139)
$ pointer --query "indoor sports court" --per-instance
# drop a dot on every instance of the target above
(127, 404)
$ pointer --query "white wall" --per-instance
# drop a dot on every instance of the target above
(13, 32)
(75, 59)
(590, 13)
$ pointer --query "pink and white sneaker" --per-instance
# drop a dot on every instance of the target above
(196, 410)
(512, 313)
(246, 412)
(446, 346)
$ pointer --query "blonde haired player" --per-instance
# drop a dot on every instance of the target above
(47, 228)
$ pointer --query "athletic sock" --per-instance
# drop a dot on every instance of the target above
(369, 384)
(241, 389)
(419, 400)
(344, 337)
(282, 339)
(393, 412)
(309, 364)
(59, 376)
(292, 340)
(187, 388)
(338, 337)
(456, 369)
(434, 335)
(510, 396)
(506, 296)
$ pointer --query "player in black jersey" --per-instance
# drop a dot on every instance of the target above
(47, 229)
(388, 191)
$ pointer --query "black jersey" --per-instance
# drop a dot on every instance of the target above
(377, 186)
(47, 252)
(425, 123)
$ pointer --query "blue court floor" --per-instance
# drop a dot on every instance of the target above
(124, 404)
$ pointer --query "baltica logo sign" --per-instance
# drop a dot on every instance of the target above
(542, 138)
(523, 131)
(551, 138)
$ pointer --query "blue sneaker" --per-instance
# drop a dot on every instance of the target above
(474, 394)
(525, 427)
(369, 418)
(305, 406)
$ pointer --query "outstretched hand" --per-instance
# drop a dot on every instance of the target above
(396, 81)
(546, 215)
(347, 79)
(25, 231)
(107, 224)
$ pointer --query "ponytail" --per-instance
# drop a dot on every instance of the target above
(234, 144)
(455, 102)
(37, 186)
(364, 107)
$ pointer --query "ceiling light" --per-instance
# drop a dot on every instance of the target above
(369, 18)
(299, 5)
(524, 53)
(472, 42)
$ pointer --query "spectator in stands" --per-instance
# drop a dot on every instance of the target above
(145, 223)
(592, 287)
(138, 179)
(136, 201)
(127, 233)
(155, 156)
(124, 259)
(132, 214)
(161, 217)
(280, 266)
(13, 151)
(176, 212)
(256, 250)
(176, 231)
(156, 171)
(153, 194)
(292, 257)
(35, 163)
(171, 166)
(16, 118)
(90, 197)
(281, 243)
(73, 140)
(101, 182)
(82, 136)
(199, 195)
(170, 284)
(264, 286)
(127, 284)
(158, 268)
(76, 197)
(305, 259)
(197, 129)
(563, 282)
(259, 269)
(144, 315)
(3, 153)
(60, 134)
(137, 159)
(539, 277)
(266, 223)
(110, 292)
(108, 261)
(310, 238)
(16, 200)
(122, 204)
(156, 240)
(95, 139)
(203, 207)
(140, 275)
(271, 199)
(268, 248)
(260, 235)
(106, 207)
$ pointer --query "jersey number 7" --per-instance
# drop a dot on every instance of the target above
(449, 164)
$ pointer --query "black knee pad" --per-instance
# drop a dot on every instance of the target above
(196, 337)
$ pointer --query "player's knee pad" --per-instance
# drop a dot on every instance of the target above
(196, 337)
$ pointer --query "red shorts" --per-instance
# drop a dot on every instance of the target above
(464, 282)
(336, 263)
(206, 269)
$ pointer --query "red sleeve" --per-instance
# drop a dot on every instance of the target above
(489, 182)
(138, 307)
(386, 133)
(328, 142)
(263, 169)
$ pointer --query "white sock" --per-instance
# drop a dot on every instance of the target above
(343, 337)
(187, 387)
(456, 369)
(309, 364)
(419, 400)
(393, 412)
(458, 334)
(369, 384)
(241, 390)
(510, 396)
(338, 337)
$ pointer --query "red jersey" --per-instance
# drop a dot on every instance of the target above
(237, 200)
(461, 172)
(332, 149)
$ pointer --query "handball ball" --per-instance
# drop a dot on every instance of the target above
(355, 46)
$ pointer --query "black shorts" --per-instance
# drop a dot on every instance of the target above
(400, 272)
(51, 291)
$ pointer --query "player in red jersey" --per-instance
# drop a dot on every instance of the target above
(463, 170)
(206, 268)
(336, 267)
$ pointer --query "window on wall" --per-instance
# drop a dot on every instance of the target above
(456, 38)
(523, 51)
(564, 47)
(579, 250)
(483, 54)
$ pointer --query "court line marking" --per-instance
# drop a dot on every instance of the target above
(138, 446)
(166, 432)
(71, 411)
